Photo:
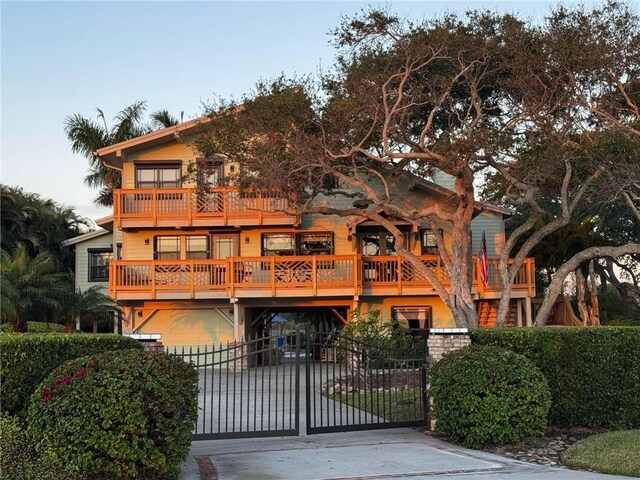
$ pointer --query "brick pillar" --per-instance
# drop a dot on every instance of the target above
(445, 340)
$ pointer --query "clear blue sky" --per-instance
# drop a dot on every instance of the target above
(60, 58)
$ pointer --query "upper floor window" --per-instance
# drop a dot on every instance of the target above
(278, 244)
(315, 243)
(167, 247)
(210, 172)
(376, 243)
(159, 176)
(300, 243)
(429, 245)
(197, 246)
(99, 264)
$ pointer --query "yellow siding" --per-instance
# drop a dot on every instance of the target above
(441, 315)
(189, 327)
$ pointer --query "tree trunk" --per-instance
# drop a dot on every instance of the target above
(594, 309)
(583, 311)
(555, 287)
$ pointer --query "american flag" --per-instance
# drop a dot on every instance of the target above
(482, 258)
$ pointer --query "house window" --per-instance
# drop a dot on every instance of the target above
(278, 244)
(167, 247)
(315, 244)
(99, 264)
(429, 245)
(329, 182)
(197, 246)
(301, 243)
(413, 318)
(210, 172)
(158, 176)
(378, 243)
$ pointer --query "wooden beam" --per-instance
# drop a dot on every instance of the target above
(145, 320)
(338, 316)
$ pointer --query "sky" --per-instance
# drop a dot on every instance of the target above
(61, 58)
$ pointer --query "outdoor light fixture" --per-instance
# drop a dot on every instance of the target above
(146, 241)
(246, 239)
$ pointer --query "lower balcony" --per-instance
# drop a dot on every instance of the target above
(286, 276)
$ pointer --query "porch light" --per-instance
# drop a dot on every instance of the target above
(246, 239)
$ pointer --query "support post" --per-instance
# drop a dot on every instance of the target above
(528, 312)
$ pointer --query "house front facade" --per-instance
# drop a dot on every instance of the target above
(199, 266)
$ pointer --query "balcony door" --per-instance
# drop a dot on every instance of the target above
(224, 245)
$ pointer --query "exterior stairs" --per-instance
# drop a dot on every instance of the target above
(487, 311)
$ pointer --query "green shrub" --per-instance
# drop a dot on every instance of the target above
(488, 395)
(35, 327)
(593, 373)
(19, 459)
(26, 360)
(123, 414)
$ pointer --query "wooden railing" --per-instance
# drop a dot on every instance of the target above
(317, 275)
(178, 207)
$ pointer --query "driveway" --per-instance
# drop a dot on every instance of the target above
(368, 455)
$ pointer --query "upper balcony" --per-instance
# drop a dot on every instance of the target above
(288, 276)
(191, 207)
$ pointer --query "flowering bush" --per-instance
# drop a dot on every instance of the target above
(123, 414)
(26, 360)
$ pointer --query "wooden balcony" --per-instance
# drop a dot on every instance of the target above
(190, 207)
(302, 276)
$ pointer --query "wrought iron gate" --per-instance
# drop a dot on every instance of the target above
(253, 388)
(355, 385)
(247, 389)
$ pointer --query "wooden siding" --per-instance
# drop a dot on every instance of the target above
(188, 327)
(82, 261)
(492, 224)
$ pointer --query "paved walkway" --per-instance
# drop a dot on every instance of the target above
(369, 455)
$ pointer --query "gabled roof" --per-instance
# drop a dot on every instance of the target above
(85, 236)
(114, 152)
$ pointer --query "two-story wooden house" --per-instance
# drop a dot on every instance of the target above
(202, 266)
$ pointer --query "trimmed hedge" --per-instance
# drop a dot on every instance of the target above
(19, 459)
(26, 360)
(593, 373)
(488, 395)
(34, 327)
(124, 414)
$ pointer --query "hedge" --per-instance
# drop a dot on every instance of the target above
(593, 373)
(123, 414)
(26, 360)
(19, 459)
(35, 327)
(488, 395)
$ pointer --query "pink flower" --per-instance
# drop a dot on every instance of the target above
(66, 379)
(56, 393)
(46, 399)
(57, 382)
(44, 391)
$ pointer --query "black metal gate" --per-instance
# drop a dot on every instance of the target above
(253, 388)
(355, 385)
(247, 389)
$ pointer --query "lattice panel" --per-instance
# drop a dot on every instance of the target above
(208, 202)
(176, 275)
(293, 272)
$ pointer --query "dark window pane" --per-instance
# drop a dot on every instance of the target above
(99, 265)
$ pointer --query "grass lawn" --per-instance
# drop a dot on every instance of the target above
(612, 452)
(394, 406)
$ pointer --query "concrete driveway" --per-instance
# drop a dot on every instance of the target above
(368, 455)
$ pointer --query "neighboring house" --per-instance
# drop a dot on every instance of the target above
(93, 253)
(202, 266)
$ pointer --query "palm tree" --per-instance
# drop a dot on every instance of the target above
(91, 305)
(29, 287)
(38, 223)
(87, 136)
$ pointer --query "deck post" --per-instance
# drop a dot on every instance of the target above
(238, 320)
(528, 312)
